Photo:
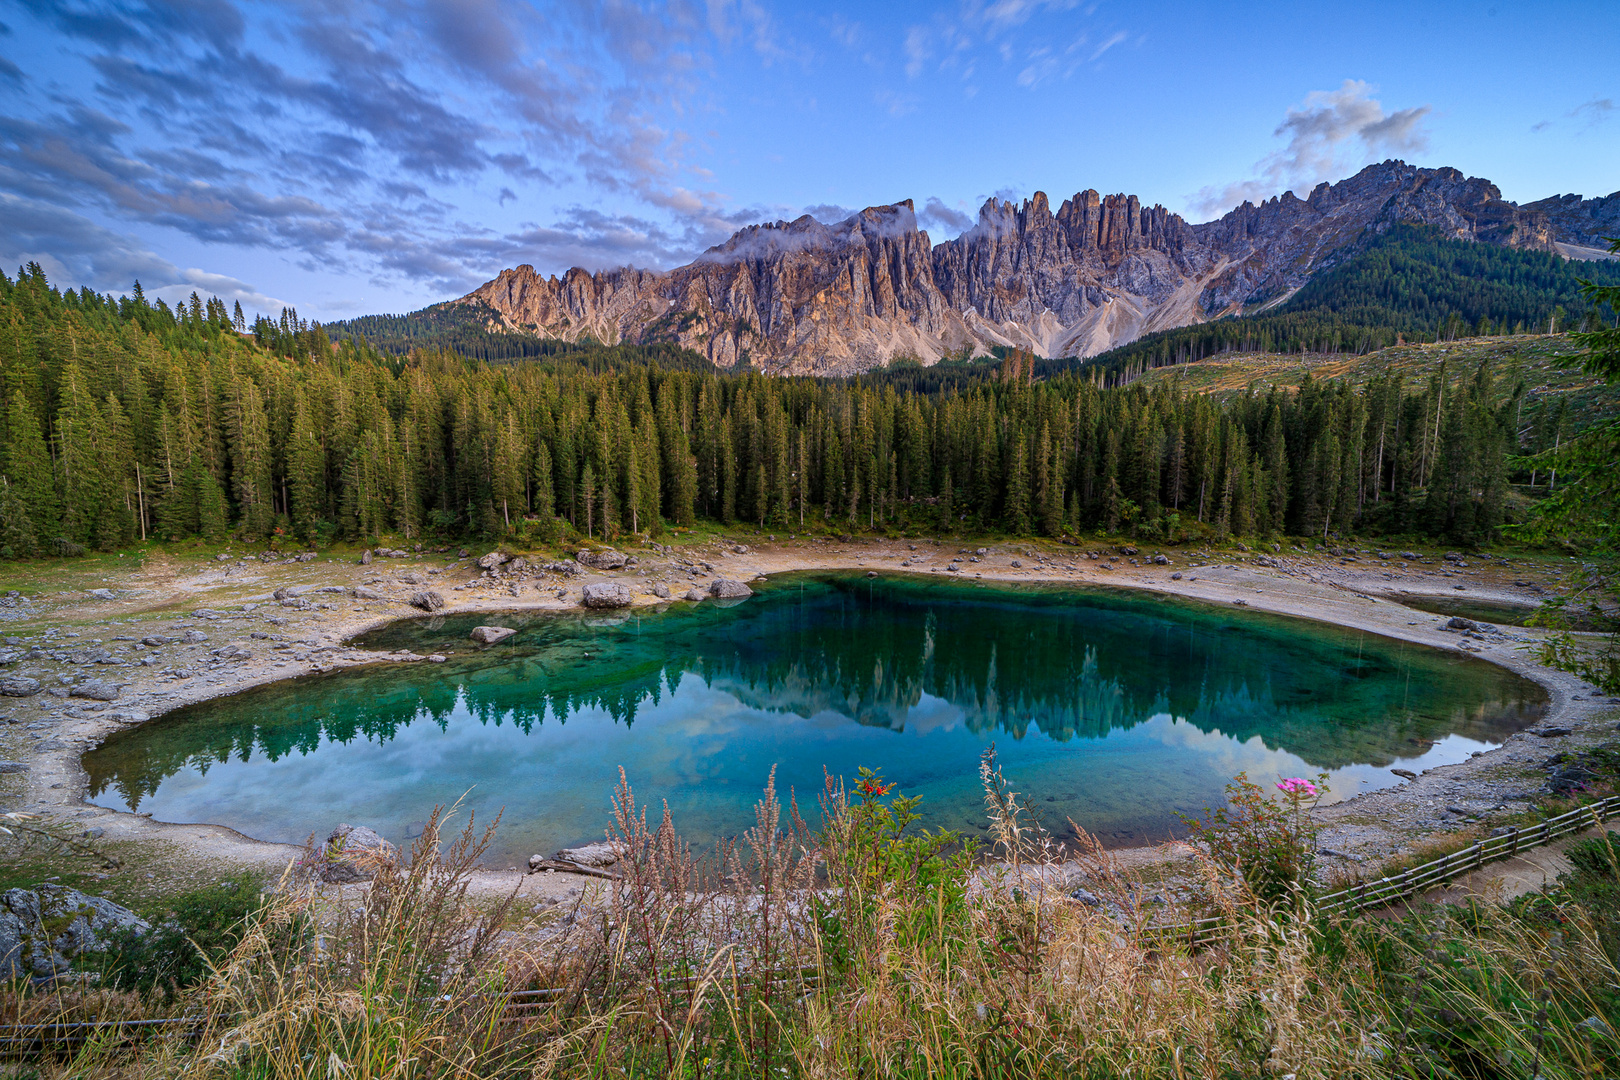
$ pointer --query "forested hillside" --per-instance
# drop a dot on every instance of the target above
(124, 419)
(1405, 283)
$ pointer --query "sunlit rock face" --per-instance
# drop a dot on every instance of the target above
(810, 298)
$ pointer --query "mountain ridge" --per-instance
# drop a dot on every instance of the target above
(807, 297)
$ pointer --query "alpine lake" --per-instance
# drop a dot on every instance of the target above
(1111, 709)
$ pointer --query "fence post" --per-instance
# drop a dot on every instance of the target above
(1514, 848)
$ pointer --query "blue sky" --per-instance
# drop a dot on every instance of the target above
(350, 157)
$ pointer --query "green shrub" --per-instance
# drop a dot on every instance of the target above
(197, 930)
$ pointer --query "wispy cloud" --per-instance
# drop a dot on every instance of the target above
(1331, 133)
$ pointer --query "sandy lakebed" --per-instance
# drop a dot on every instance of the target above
(63, 634)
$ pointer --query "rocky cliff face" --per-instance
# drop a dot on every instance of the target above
(804, 297)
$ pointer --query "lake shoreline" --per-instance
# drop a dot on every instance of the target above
(316, 627)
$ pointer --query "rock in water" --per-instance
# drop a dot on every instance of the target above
(606, 594)
(490, 635)
(43, 931)
(602, 560)
(19, 686)
(355, 853)
(726, 589)
(95, 690)
(427, 600)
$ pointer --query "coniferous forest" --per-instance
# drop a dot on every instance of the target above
(125, 419)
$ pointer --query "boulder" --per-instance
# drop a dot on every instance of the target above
(602, 560)
(19, 686)
(598, 854)
(102, 594)
(726, 589)
(660, 590)
(13, 767)
(606, 594)
(365, 557)
(492, 560)
(194, 637)
(491, 635)
(1457, 622)
(95, 690)
(363, 593)
(694, 595)
(43, 930)
(354, 853)
(427, 600)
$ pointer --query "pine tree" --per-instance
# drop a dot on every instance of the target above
(26, 466)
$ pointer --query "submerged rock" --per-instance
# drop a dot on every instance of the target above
(42, 931)
(355, 853)
(606, 594)
(490, 635)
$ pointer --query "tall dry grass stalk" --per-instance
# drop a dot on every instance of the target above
(867, 948)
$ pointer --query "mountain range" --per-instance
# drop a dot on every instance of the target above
(804, 297)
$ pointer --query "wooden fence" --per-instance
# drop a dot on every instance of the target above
(1419, 879)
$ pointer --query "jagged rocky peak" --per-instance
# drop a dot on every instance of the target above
(836, 298)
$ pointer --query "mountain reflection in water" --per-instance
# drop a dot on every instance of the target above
(1110, 708)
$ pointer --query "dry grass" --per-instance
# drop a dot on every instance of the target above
(867, 949)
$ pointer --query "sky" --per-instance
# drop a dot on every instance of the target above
(347, 157)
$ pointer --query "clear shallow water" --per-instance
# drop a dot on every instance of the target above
(1500, 612)
(1110, 708)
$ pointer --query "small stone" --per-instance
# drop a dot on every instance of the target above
(1176, 576)
(363, 593)
(101, 594)
(427, 600)
(1405, 774)
(13, 767)
(491, 635)
(1594, 1025)
(660, 590)
(436, 658)
(19, 686)
(194, 637)
(1553, 732)
(95, 690)
(1086, 897)
(726, 589)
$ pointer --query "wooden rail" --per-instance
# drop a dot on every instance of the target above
(1420, 879)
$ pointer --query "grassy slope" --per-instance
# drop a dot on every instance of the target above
(1549, 365)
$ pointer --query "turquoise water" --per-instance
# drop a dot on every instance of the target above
(1110, 708)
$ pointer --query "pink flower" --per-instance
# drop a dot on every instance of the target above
(1295, 787)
